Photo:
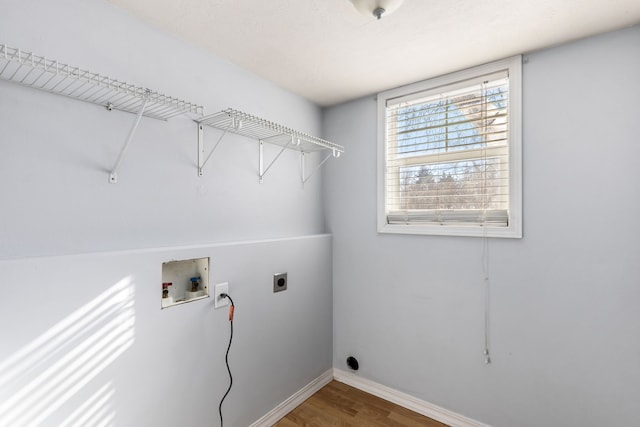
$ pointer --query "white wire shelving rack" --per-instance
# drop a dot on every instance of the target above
(39, 72)
(264, 131)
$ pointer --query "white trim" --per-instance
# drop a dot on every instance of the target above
(158, 249)
(514, 229)
(280, 411)
(406, 401)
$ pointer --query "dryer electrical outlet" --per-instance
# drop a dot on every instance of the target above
(279, 282)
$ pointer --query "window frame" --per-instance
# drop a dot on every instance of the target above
(513, 66)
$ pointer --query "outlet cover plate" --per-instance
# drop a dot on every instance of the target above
(280, 282)
(221, 288)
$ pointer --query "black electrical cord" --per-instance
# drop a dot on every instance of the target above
(226, 357)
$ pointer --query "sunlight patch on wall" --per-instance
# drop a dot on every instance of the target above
(96, 411)
(45, 374)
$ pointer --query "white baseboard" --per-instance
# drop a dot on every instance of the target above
(387, 393)
(407, 401)
(280, 411)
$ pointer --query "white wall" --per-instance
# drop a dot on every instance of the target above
(75, 327)
(56, 151)
(167, 367)
(564, 316)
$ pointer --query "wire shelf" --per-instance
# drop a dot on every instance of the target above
(244, 124)
(39, 72)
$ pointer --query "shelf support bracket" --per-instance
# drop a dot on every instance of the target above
(263, 171)
(113, 175)
(306, 178)
(202, 160)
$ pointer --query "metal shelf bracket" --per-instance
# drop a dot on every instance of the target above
(263, 171)
(202, 158)
(304, 178)
(113, 175)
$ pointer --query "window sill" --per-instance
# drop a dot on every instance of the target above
(511, 232)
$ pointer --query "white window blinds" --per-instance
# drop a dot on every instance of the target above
(447, 154)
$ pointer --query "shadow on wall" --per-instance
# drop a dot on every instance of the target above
(37, 380)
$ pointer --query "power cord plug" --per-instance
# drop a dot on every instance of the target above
(231, 307)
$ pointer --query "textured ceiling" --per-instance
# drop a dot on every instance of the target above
(327, 52)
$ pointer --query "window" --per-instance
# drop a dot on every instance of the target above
(449, 154)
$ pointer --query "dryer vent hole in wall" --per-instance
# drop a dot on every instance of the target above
(352, 363)
(279, 282)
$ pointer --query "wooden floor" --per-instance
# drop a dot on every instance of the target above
(338, 404)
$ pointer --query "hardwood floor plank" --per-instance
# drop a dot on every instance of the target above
(285, 422)
(340, 405)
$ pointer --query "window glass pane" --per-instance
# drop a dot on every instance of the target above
(462, 120)
(467, 184)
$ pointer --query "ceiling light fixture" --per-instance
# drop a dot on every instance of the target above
(376, 8)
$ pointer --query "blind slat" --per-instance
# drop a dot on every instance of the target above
(429, 110)
(417, 144)
(496, 217)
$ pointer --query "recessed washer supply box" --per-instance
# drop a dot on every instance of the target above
(184, 281)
